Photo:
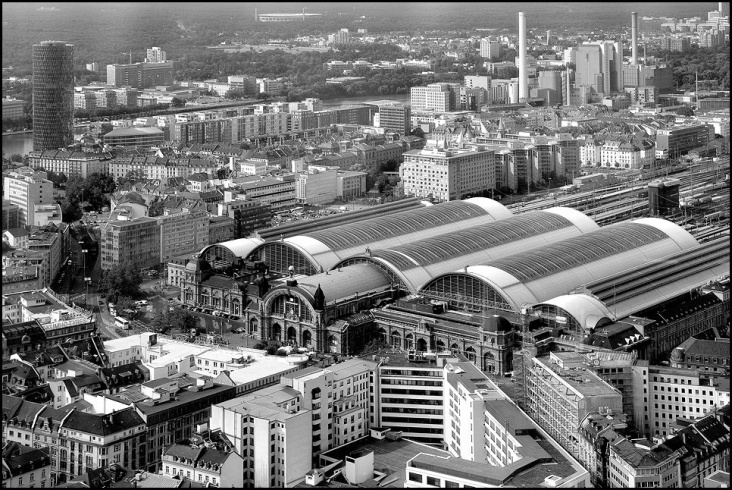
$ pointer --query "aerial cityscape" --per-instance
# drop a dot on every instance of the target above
(330, 245)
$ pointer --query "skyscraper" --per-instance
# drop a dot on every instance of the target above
(523, 75)
(53, 95)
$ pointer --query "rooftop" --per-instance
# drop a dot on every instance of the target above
(390, 457)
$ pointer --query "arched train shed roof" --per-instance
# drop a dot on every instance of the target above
(416, 263)
(345, 283)
(586, 310)
(240, 247)
(325, 248)
(537, 275)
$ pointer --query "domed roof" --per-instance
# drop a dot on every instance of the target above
(497, 324)
(677, 355)
(198, 264)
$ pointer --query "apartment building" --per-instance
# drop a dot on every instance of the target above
(338, 398)
(706, 356)
(26, 467)
(694, 453)
(204, 464)
(408, 396)
(598, 431)
(136, 241)
(448, 174)
(439, 97)
(25, 191)
(182, 233)
(102, 434)
(269, 430)
(662, 394)
(489, 48)
(562, 380)
(156, 168)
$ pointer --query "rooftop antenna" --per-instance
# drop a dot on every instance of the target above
(130, 56)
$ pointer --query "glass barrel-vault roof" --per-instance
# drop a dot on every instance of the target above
(577, 251)
(463, 242)
(412, 221)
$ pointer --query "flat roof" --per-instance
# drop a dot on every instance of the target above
(584, 381)
(390, 457)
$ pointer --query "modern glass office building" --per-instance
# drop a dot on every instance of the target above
(53, 95)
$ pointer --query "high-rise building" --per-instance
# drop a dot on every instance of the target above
(396, 117)
(489, 48)
(53, 95)
(598, 67)
(155, 55)
(25, 192)
(552, 82)
(523, 74)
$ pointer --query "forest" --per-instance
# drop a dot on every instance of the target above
(711, 64)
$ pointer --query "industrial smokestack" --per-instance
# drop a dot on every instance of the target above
(721, 5)
(634, 37)
(523, 76)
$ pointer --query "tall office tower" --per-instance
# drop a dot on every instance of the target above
(589, 67)
(53, 95)
(634, 38)
(156, 55)
(551, 81)
(489, 48)
(611, 74)
(618, 85)
(523, 75)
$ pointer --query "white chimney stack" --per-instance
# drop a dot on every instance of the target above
(523, 75)
(634, 37)
(721, 5)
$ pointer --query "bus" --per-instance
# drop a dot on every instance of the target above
(122, 323)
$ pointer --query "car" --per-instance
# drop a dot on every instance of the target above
(141, 302)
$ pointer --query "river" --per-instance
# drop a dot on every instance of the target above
(22, 143)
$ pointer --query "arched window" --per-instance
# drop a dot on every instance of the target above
(284, 305)
(396, 340)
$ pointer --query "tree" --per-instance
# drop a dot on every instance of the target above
(156, 208)
(177, 102)
(121, 280)
(70, 212)
(418, 132)
(263, 95)
(15, 157)
(105, 128)
(124, 303)
(177, 319)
